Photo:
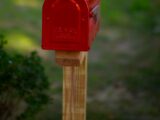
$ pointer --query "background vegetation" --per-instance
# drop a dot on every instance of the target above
(124, 67)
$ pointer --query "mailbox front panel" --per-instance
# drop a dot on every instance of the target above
(69, 25)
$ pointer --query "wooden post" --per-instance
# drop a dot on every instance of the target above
(74, 84)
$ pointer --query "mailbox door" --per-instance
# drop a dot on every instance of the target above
(61, 25)
(65, 25)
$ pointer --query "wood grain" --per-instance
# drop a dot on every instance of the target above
(69, 58)
(75, 91)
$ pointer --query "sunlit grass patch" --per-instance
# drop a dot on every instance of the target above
(20, 42)
(28, 3)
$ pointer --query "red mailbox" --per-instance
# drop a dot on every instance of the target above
(69, 25)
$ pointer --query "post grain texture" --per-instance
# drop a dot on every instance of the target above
(74, 86)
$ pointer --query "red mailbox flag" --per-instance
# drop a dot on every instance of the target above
(69, 25)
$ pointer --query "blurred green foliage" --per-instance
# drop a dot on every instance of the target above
(23, 85)
(126, 82)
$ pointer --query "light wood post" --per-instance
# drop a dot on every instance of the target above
(74, 84)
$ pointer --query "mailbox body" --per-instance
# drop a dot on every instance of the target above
(69, 25)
